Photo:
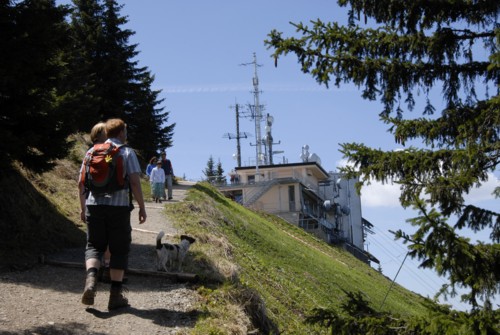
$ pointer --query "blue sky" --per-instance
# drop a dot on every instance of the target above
(195, 48)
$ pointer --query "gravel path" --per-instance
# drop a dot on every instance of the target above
(46, 298)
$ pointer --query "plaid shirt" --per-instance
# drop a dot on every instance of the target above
(121, 197)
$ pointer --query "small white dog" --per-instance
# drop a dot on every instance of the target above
(171, 253)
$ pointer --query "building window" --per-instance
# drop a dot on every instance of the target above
(291, 198)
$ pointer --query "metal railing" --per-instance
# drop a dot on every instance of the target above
(258, 190)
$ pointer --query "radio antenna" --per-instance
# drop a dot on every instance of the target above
(257, 117)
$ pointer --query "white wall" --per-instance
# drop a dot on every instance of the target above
(343, 192)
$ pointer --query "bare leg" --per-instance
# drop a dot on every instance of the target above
(117, 274)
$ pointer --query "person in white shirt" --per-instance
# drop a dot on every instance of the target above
(157, 179)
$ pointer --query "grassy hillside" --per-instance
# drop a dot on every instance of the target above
(276, 270)
(257, 271)
(39, 210)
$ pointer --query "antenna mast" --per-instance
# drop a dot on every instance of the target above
(258, 113)
(258, 118)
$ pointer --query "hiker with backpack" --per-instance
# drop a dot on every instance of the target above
(98, 136)
(109, 175)
(98, 133)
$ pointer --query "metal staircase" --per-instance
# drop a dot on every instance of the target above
(259, 190)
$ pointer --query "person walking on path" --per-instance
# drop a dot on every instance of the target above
(166, 164)
(98, 136)
(98, 133)
(158, 182)
(149, 168)
(108, 221)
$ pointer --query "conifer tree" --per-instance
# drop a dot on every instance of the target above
(394, 51)
(33, 125)
(221, 179)
(148, 115)
(113, 83)
(210, 171)
(85, 62)
(148, 130)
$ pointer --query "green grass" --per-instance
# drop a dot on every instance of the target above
(41, 211)
(257, 271)
(291, 271)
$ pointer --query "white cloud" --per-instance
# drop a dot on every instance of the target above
(387, 195)
(377, 194)
(343, 162)
(244, 87)
(484, 192)
(205, 88)
(380, 195)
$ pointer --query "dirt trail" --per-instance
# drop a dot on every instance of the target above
(46, 298)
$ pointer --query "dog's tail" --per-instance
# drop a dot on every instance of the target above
(158, 239)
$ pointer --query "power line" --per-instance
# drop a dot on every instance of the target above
(411, 266)
(392, 284)
(424, 277)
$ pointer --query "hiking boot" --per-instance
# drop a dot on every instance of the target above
(117, 299)
(90, 290)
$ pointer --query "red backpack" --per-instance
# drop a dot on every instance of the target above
(103, 171)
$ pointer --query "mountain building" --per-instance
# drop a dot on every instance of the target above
(304, 194)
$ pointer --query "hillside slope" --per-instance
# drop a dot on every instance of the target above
(252, 262)
(38, 210)
(279, 271)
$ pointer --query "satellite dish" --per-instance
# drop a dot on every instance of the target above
(345, 210)
(327, 205)
(314, 158)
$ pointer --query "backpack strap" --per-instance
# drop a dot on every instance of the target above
(88, 156)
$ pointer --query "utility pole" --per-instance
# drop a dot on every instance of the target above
(238, 135)
(238, 146)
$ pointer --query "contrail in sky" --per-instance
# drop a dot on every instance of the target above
(242, 88)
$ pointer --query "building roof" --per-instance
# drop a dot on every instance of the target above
(291, 165)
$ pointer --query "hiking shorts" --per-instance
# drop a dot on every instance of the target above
(109, 226)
